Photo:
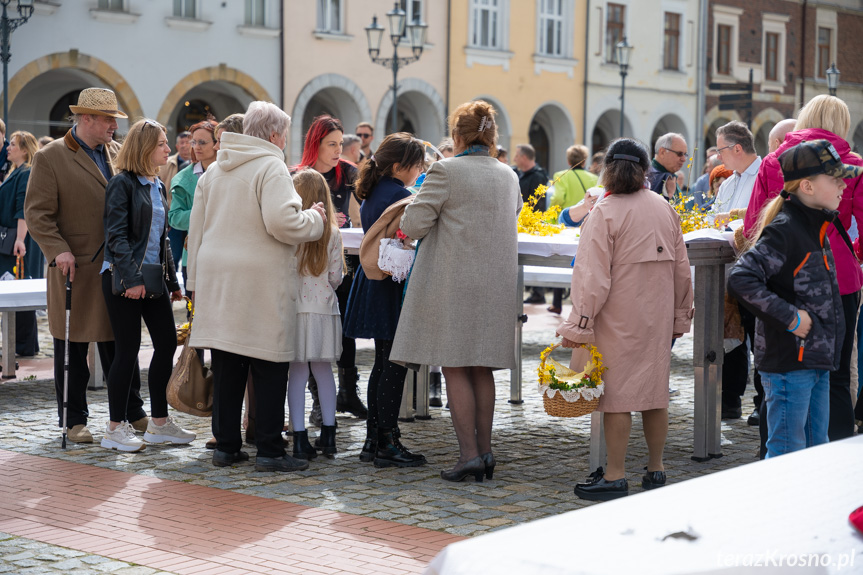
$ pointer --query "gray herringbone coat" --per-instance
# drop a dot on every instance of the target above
(460, 307)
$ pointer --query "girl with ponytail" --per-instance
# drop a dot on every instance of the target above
(374, 305)
(787, 278)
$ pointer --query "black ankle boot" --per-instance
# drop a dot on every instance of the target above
(370, 447)
(315, 417)
(435, 389)
(327, 441)
(302, 448)
(348, 399)
(392, 454)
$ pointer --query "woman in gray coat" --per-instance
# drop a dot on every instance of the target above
(459, 310)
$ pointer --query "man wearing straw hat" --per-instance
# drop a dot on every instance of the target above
(64, 209)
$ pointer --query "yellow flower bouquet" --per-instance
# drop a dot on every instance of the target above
(566, 393)
(184, 330)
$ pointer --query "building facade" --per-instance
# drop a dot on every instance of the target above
(328, 69)
(661, 81)
(171, 60)
(526, 58)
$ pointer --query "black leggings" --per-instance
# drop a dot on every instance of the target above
(386, 384)
(841, 409)
(125, 315)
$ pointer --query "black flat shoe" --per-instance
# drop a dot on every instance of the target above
(475, 467)
(602, 490)
(653, 480)
(224, 459)
(488, 460)
(754, 420)
(285, 463)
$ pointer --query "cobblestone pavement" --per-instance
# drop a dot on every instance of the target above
(539, 460)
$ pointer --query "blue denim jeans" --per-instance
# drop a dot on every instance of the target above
(798, 409)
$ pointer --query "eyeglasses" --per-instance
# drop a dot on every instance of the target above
(680, 155)
(201, 143)
(725, 147)
(364, 136)
(150, 123)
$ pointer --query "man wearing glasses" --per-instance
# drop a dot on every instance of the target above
(64, 206)
(670, 154)
(366, 133)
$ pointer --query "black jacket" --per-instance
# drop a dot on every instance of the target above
(791, 267)
(530, 180)
(128, 215)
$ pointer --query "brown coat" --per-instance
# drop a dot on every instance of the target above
(631, 291)
(64, 209)
(386, 226)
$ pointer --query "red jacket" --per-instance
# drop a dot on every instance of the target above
(769, 183)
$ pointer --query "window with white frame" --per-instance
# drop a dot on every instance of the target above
(773, 50)
(413, 11)
(824, 51)
(256, 13)
(726, 23)
(186, 8)
(330, 16)
(671, 42)
(553, 26)
(486, 24)
(115, 5)
(615, 26)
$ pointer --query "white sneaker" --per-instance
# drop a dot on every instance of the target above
(122, 438)
(168, 433)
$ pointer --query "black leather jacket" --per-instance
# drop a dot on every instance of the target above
(128, 215)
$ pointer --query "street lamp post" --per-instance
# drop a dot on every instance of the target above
(832, 79)
(623, 52)
(417, 36)
(7, 25)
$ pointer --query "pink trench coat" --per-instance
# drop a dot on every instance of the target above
(631, 291)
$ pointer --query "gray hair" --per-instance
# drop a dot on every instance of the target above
(265, 118)
(666, 141)
(736, 133)
(349, 140)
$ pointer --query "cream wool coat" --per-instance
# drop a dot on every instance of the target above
(460, 307)
(246, 222)
(631, 291)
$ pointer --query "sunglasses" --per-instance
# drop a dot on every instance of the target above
(150, 123)
(364, 136)
(680, 155)
(201, 143)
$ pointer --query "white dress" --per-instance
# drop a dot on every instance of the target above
(318, 324)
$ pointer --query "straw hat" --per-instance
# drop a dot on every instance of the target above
(98, 101)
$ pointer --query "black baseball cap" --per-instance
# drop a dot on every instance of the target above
(812, 158)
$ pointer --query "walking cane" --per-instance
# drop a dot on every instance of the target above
(66, 356)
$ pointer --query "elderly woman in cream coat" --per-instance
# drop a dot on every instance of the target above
(631, 295)
(460, 307)
(245, 225)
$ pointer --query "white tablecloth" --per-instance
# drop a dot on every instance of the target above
(773, 510)
(23, 294)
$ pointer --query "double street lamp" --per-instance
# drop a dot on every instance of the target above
(832, 79)
(623, 50)
(7, 25)
(416, 32)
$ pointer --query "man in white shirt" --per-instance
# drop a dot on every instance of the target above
(736, 147)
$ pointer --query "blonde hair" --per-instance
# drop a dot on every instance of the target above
(27, 142)
(827, 113)
(142, 139)
(475, 124)
(772, 209)
(312, 256)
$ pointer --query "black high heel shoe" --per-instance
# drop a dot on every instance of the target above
(488, 460)
(475, 467)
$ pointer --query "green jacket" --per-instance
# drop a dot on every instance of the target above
(570, 188)
(182, 195)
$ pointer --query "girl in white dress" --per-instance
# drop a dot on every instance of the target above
(320, 266)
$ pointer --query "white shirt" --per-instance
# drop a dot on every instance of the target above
(734, 193)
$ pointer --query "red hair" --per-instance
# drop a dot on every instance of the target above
(210, 126)
(320, 128)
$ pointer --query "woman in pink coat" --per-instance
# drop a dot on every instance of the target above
(825, 118)
(631, 295)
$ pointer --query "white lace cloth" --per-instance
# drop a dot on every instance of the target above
(588, 393)
(395, 259)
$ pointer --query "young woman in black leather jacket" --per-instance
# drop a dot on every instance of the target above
(135, 241)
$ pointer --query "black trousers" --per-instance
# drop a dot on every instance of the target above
(126, 315)
(735, 366)
(26, 333)
(230, 372)
(841, 409)
(348, 359)
(386, 385)
(79, 375)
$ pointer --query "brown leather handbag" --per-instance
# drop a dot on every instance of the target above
(190, 388)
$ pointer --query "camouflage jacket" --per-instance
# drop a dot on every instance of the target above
(791, 267)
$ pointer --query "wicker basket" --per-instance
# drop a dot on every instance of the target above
(184, 329)
(558, 406)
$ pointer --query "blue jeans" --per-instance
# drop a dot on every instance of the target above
(798, 409)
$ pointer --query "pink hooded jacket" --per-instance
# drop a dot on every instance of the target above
(769, 183)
